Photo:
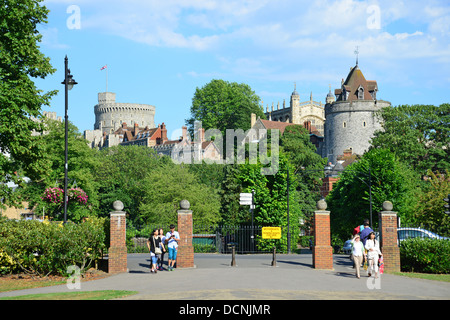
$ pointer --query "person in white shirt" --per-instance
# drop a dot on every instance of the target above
(357, 253)
(172, 239)
(373, 253)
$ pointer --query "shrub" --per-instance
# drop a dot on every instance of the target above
(44, 248)
(425, 255)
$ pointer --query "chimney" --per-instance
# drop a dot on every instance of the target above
(252, 120)
(163, 133)
(184, 130)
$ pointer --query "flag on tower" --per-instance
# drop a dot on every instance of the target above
(104, 67)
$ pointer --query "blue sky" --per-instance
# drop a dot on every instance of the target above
(159, 51)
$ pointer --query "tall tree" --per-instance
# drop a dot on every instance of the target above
(121, 176)
(224, 105)
(20, 100)
(307, 165)
(419, 135)
(164, 188)
(82, 163)
(390, 180)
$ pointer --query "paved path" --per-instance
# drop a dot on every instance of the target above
(254, 278)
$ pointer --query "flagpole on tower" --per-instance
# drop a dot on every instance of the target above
(106, 67)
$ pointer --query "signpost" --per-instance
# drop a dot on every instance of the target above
(271, 232)
(245, 199)
(248, 199)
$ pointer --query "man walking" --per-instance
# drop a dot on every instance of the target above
(365, 232)
(172, 239)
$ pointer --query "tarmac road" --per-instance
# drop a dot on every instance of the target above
(254, 278)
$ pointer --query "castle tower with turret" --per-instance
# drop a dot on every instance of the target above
(109, 115)
(351, 118)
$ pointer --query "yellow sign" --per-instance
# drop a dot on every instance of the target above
(271, 232)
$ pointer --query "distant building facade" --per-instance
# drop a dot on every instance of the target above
(299, 112)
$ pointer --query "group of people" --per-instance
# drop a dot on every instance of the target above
(158, 244)
(365, 248)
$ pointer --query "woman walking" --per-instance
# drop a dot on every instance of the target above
(153, 244)
(357, 253)
(163, 240)
(373, 253)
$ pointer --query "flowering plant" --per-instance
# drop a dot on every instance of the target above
(78, 195)
(56, 195)
(53, 195)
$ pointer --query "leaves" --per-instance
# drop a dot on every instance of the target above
(418, 135)
(20, 61)
(223, 105)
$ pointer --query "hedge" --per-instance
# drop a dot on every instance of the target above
(425, 255)
(43, 248)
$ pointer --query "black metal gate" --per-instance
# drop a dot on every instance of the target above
(218, 239)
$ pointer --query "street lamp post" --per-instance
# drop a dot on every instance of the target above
(68, 83)
(288, 222)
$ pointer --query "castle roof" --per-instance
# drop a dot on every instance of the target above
(352, 84)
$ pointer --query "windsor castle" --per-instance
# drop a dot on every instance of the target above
(344, 124)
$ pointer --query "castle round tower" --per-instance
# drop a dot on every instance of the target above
(351, 120)
(109, 115)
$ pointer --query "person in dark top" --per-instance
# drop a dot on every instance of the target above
(153, 244)
(365, 232)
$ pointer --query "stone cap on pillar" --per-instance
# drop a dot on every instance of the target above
(387, 208)
(321, 207)
(184, 207)
(118, 208)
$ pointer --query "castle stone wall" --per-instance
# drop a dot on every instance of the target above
(351, 125)
(109, 115)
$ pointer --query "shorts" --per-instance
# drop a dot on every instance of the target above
(172, 253)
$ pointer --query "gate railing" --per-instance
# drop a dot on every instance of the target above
(219, 239)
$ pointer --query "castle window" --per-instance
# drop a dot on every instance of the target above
(364, 124)
(360, 93)
(344, 125)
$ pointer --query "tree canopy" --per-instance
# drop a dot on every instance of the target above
(419, 135)
(20, 100)
(224, 105)
(390, 180)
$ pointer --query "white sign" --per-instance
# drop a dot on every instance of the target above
(245, 199)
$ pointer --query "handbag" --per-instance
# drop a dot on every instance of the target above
(157, 249)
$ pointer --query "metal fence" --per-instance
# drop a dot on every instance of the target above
(408, 231)
(220, 239)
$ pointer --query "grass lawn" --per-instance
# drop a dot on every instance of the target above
(10, 283)
(427, 276)
(82, 295)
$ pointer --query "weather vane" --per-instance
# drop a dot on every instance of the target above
(357, 52)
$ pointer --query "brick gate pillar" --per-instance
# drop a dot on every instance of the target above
(185, 255)
(388, 234)
(322, 250)
(117, 252)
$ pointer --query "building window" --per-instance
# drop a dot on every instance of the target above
(360, 93)
(344, 125)
(364, 124)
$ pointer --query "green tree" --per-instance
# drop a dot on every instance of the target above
(419, 135)
(82, 163)
(165, 187)
(20, 100)
(223, 105)
(271, 201)
(121, 177)
(307, 165)
(390, 179)
(430, 207)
